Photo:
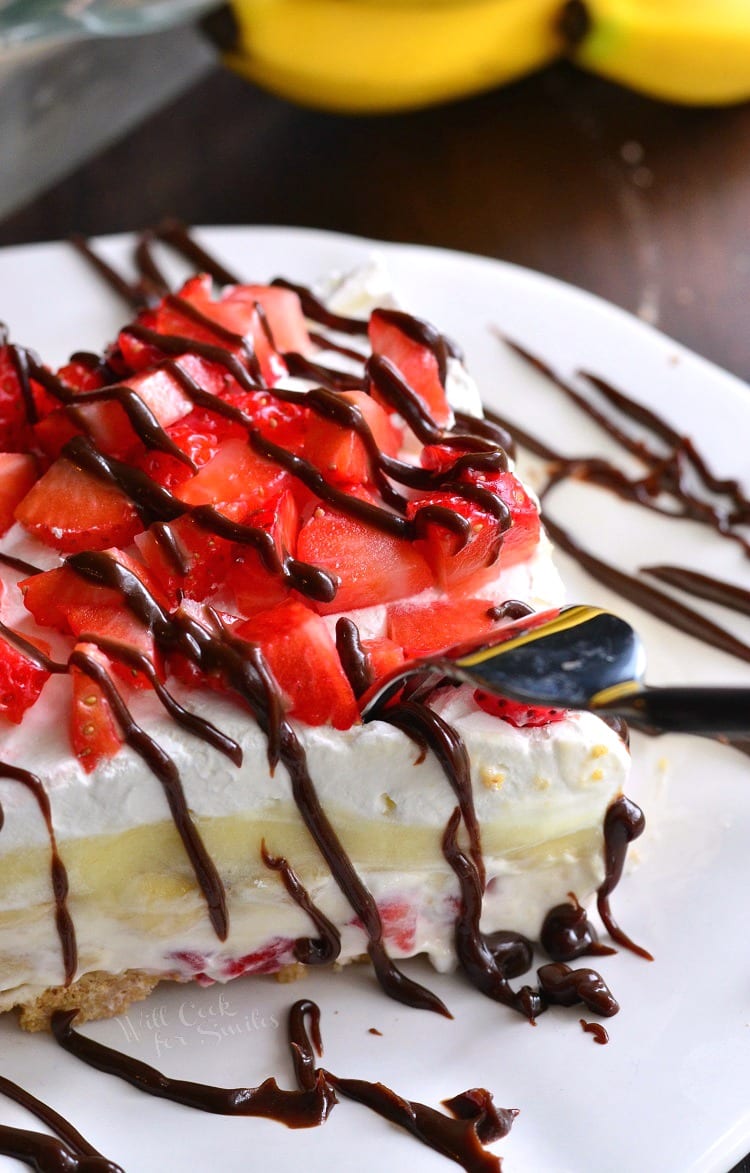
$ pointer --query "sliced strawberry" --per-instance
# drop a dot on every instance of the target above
(206, 558)
(283, 312)
(303, 659)
(452, 558)
(255, 587)
(94, 734)
(72, 510)
(233, 310)
(517, 713)
(18, 472)
(340, 452)
(236, 473)
(109, 425)
(199, 435)
(52, 433)
(416, 363)
(121, 626)
(430, 629)
(21, 681)
(373, 566)
(384, 655)
(520, 541)
(50, 596)
(13, 415)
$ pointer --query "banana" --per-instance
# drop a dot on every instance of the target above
(379, 55)
(695, 52)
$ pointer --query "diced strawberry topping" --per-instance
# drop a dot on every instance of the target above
(235, 473)
(428, 630)
(255, 587)
(206, 557)
(454, 558)
(373, 566)
(520, 541)
(517, 713)
(384, 655)
(50, 596)
(72, 510)
(21, 681)
(121, 627)
(18, 473)
(416, 364)
(13, 415)
(303, 659)
(283, 312)
(340, 452)
(94, 734)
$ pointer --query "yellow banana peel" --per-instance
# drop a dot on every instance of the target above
(695, 52)
(380, 55)
(361, 56)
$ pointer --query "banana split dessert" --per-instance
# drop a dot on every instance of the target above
(218, 535)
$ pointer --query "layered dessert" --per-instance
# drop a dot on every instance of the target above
(218, 536)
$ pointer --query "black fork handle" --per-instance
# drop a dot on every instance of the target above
(706, 711)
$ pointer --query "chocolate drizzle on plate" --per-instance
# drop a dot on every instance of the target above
(471, 1122)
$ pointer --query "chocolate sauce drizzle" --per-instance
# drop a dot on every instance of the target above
(623, 823)
(568, 933)
(58, 875)
(72, 1153)
(327, 946)
(472, 1122)
(564, 986)
(596, 1029)
(665, 477)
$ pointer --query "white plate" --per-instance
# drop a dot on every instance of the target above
(671, 1091)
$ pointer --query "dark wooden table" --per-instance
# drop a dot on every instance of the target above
(642, 203)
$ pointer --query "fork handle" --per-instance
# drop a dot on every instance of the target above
(707, 711)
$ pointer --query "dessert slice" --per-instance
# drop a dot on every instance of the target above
(225, 530)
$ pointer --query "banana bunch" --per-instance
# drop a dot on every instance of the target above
(382, 55)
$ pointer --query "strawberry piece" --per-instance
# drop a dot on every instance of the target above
(384, 655)
(109, 426)
(339, 452)
(303, 659)
(415, 362)
(13, 416)
(428, 630)
(72, 510)
(207, 558)
(121, 626)
(517, 713)
(199, 435)
(21, 681)
(50, 596)
(18, 473)
(283, 311)
(373, 567)
(94, 734)
(233, 310)
(521, 540)
(236, 473)
(255, 587)
(52, 433)
(453, 563)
